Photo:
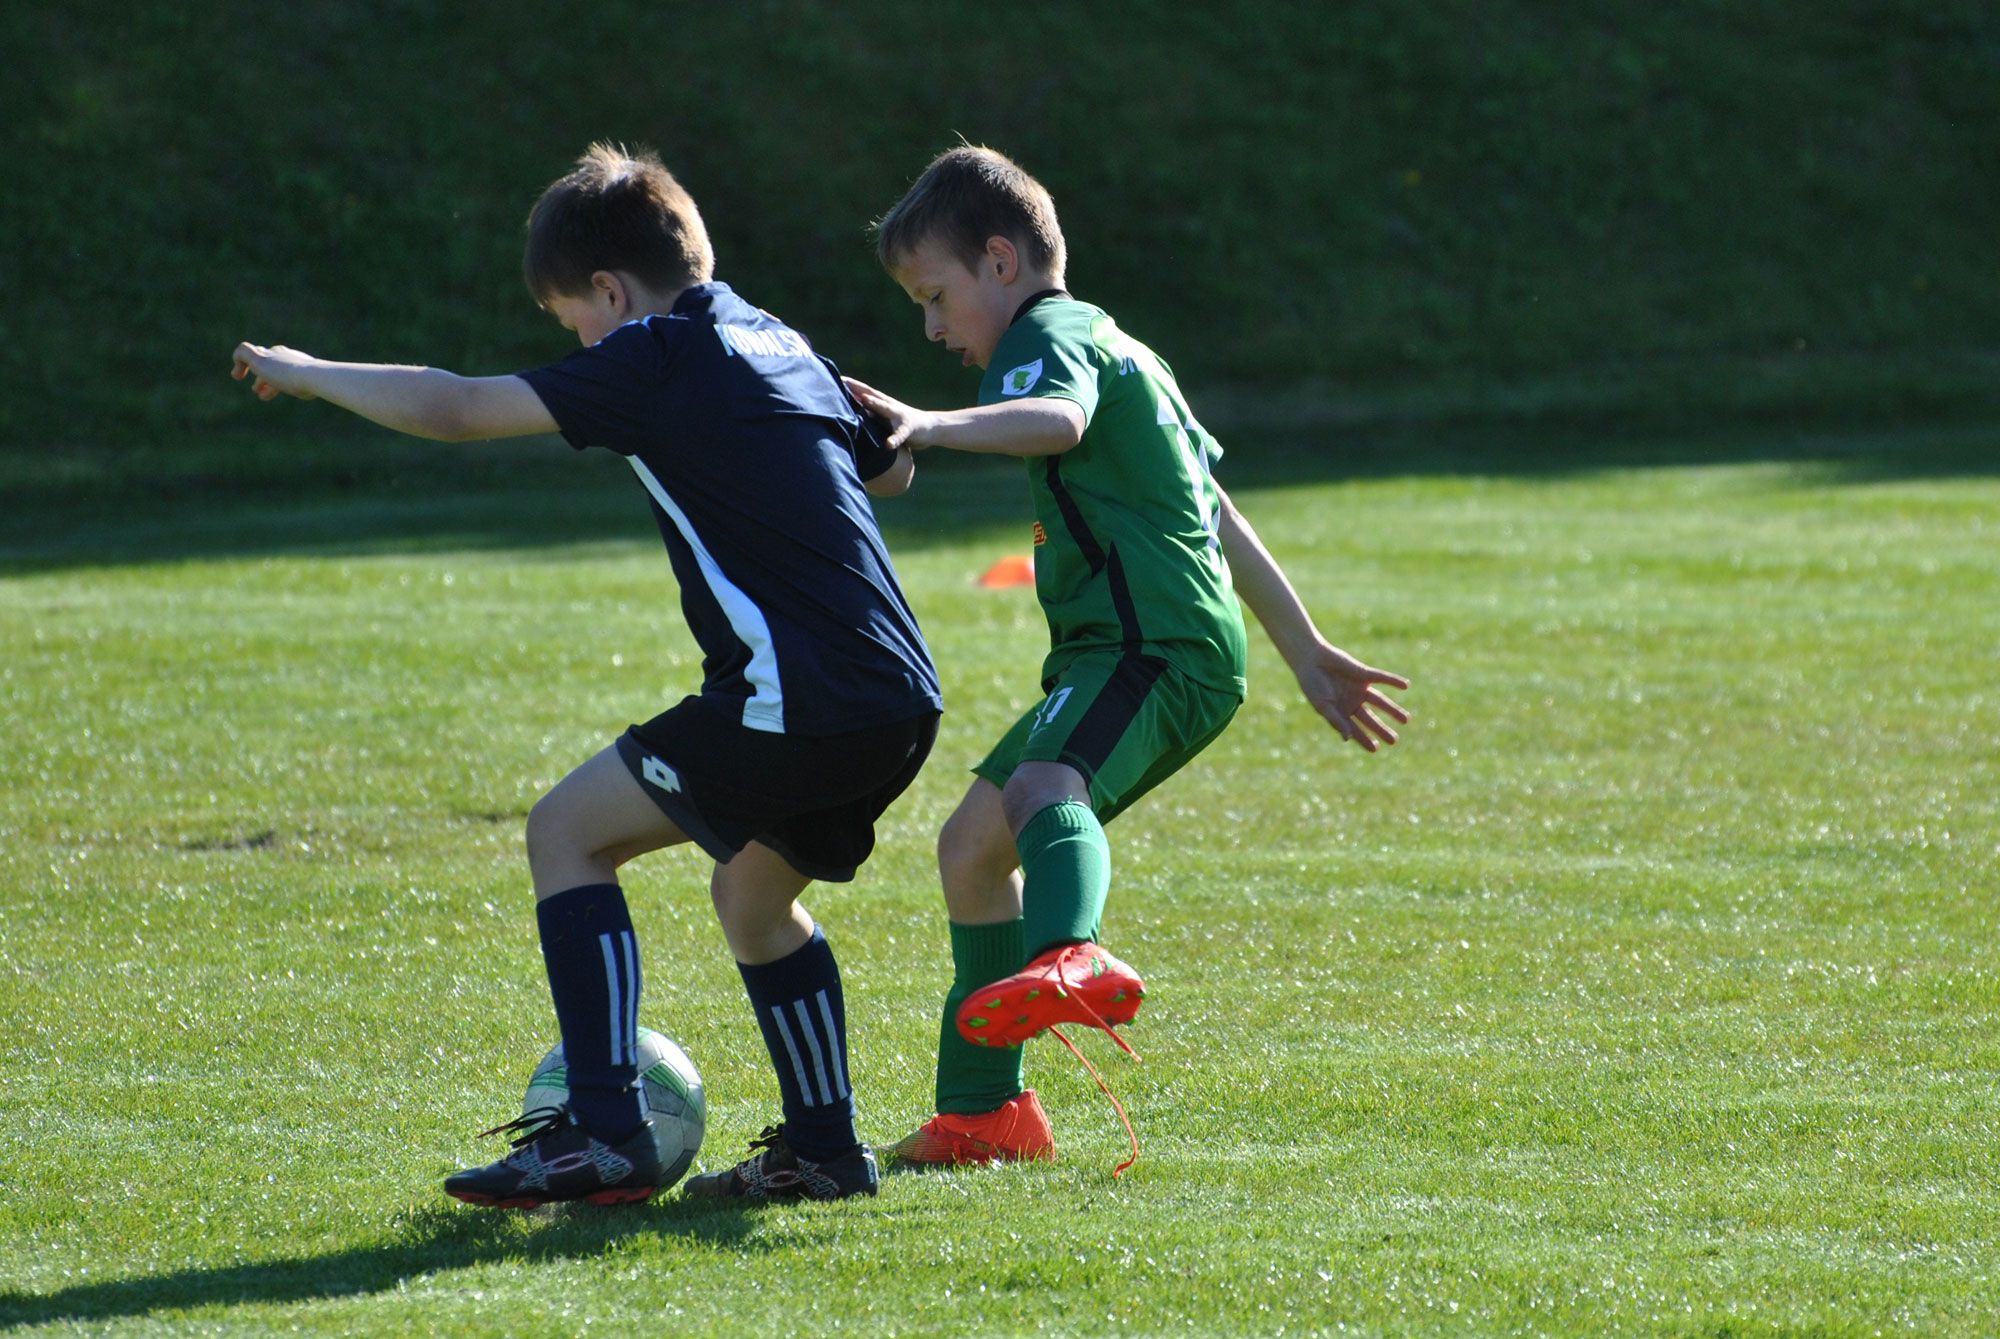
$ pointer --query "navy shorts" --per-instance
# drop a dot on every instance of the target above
(813, 801)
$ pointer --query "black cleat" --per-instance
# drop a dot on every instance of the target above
(557, 1159)
(775, 1172)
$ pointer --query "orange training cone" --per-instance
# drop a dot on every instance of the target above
(1016, 569)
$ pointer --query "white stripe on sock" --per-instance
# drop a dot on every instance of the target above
(631, 996)
(833, 1045)
(812, 1044)
(805, 1089)
(613, 994)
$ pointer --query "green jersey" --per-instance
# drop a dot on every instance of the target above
(1128, 555)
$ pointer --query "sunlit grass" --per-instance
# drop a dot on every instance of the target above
(1648, 986)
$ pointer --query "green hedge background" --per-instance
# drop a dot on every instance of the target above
(1375, 207)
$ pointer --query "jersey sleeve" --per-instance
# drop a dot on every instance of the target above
(1206, 442)
(604, 395)
(872, 455)
(1044, 357)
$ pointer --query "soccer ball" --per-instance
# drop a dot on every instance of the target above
(669, 1087)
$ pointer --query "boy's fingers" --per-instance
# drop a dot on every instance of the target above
(1339, 720)
(1368, 719)
(1375, 699)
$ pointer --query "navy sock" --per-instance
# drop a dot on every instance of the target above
(593, 961)
(804, 1020)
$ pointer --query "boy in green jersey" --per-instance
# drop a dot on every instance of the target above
(1139, 560)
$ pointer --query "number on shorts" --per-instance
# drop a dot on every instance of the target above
(1052, 707)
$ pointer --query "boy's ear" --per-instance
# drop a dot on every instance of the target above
(606, 284)
(1002, 259)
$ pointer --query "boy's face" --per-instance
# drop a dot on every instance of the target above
(966, 310)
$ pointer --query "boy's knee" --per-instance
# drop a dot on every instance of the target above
(1036, 786)
(548, 830)
(738, 914)
(730, 906)
(972, 849)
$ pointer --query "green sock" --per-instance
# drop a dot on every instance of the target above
(973, 1079)
(1066, 873)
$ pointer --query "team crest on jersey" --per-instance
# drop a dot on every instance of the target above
(1041, 535)
(1022, 379)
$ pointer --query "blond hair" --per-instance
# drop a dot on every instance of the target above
(965, 196)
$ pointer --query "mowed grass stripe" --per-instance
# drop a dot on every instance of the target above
(1647, 987)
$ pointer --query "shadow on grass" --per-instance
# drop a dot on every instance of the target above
(434, 1240)
(256, 497)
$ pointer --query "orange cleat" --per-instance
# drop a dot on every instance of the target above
(1071, 983)
(1016, 1132)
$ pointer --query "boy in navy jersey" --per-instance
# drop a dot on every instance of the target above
(818, 703)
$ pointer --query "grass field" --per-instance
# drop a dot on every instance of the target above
(1650, 986)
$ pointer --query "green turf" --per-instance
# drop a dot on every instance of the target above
(1650, 986)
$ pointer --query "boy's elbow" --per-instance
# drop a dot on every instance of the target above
(449, 412)
(894, 481)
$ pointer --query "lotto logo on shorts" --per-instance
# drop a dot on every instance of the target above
(1041, 535)
(661, 775)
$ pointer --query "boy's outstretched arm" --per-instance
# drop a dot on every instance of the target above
(1042, 426)
(1341, 688)
(421, 401)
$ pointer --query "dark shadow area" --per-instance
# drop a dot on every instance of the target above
(436, 1240)
(376, 494)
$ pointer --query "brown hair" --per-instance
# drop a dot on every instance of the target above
(615, 211)
(965, 196)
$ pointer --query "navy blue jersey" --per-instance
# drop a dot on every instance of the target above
(753, 455)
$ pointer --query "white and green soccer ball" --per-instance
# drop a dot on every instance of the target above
(669, 1086)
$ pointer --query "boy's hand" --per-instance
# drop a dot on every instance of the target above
(906, 423)
(278, 370)
(1342, 689)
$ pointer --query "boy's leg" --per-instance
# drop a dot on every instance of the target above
(1110, 729)
(984, 1110)
(1065, 861)
(579, 836)
(978, 867)
(789, 972)
(793, 982)
(594, 820)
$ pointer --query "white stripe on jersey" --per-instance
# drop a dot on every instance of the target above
(765, 709)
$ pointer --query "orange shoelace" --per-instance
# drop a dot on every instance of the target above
(1084, 1060)
(1105, 1088)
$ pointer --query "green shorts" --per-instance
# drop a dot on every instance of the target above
(1126, 722)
